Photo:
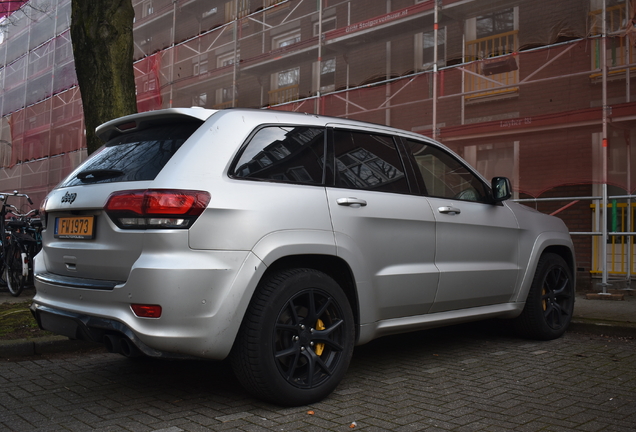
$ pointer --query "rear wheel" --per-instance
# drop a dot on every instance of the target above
(550, 303)
(296, 339)
(13, 274)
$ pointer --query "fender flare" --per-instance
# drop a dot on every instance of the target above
(544, 241)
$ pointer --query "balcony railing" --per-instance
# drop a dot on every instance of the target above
(621, 253)
(497, 73)
(226, 104)
(236, 9)
(283, 94)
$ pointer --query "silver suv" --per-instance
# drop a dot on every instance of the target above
(282, 240)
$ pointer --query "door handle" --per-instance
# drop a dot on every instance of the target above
(351, 202)
(449, 210)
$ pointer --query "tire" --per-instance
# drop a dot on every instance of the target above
(550, 302)
(13, 271)
(296, 340)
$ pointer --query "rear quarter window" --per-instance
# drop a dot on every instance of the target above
(135, 156)
(290, 154)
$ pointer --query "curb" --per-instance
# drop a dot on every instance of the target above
(43, 345)
(603, 327)
(62, 344)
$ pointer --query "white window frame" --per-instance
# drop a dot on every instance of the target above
(419, 49)
(227, 58)
(470, 26)
(200, 64)
(200, 99)
(220, 93)
(280, 40)
(316, 69)
(148, 9)
(276, 78)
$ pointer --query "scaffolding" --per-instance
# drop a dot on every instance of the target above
(541, 92)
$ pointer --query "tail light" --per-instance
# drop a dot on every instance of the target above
(146, 311)
(156, 208)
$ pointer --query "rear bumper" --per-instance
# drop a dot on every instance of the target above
(203, 300)
(90, 328)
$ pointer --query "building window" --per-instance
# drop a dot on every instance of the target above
(147, 9)
(494, 34)
(3, 30)
(287, 78)
(327, 76)
(209, 12)
(328, 24)
(495, 23)
(200, 64)
(615, 16)
(286, 39)
(200, 99)
(225, 97)
(619, 51)
(425, 49)
(227, 59)
(284, 86)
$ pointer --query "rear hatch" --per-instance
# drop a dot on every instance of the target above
(81, 241)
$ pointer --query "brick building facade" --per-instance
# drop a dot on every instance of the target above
(517, 87)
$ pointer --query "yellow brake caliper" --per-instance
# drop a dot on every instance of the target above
(319, 346)
(544, 302)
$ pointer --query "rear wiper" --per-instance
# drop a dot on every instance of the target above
(99, 174)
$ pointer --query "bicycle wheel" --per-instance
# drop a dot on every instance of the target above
(13, 274)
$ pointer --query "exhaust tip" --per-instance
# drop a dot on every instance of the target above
(112, 343)
(128, 349)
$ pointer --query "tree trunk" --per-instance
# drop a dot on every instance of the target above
(102, 36)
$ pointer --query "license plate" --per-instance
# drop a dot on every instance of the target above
(75, 227)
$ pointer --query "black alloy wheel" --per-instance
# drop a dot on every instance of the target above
(556, 297)
(309, 338)
(550, 302)
(296, 340)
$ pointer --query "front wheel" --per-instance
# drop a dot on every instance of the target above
(296, 339)
(13, 271)
(550, 303)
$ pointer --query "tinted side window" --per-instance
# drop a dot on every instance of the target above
(134, 156)
(444, 176)
(292, 154)
(368, 161)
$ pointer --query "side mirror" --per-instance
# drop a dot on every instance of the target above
(501, 189)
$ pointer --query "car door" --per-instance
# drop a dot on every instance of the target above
(381, 228)
(477, 240)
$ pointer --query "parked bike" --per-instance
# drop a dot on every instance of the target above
(19, 243)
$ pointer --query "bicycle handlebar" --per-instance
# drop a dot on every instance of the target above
(5, 195)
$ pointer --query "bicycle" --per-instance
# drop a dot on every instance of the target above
(15, 259)
(27, 232)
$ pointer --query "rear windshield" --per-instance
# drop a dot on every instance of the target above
(135, 156)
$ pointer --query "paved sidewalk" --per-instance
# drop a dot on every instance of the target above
(607, 317)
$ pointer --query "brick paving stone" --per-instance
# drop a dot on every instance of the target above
(456, 379)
